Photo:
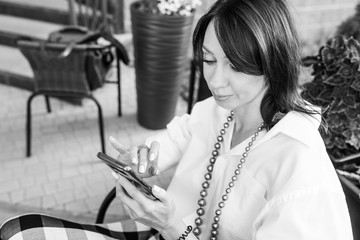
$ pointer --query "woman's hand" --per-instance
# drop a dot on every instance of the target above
(159, 214)
(142, 159)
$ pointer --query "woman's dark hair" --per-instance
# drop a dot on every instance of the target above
(259, 38)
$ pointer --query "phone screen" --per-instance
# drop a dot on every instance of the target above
(125, 171)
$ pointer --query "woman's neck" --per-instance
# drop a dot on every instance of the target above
(246, 124)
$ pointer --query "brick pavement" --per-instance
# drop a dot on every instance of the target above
(63, 176)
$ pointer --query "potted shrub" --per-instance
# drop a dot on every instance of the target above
(162, 31)
(336, 88)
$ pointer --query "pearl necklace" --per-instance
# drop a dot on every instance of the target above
(206, 184)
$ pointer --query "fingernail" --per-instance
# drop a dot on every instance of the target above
(152, 157)
(141, 169)
(157, 172)
(156, 189)
(115, 175)
(112, 139)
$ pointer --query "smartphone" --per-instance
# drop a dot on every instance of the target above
(126, 171)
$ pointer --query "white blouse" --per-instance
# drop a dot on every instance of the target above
(287, 188)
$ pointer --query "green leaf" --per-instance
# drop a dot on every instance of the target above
(351, 113)
(349, 101)
(339, 92)
(356, 85)
(335, 80)
(325, 95)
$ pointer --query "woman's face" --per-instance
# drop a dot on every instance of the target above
(231, 88)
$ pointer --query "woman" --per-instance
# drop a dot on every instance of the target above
(250, 161)
(268, 175)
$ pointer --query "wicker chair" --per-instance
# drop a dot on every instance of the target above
(63, 76)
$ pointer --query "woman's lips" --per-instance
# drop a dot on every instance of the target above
(222, 97)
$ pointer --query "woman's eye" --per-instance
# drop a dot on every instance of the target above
(209, 62)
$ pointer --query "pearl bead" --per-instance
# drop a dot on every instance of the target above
(227, 190)
(215, 225)
(212, 160)
(231, 184)
(226, 125)
(221, 204)
(198, 221)
(229, 119)
(206, 185)
(215, 153)
(216, 219)
(224, 197)
(213, 238)
(202, 202)
(253, 138)
(218, 212)
(237, 171)
(239, 165)
(208, 176)
(210, 168)
(256, 134)
(220, 138)
(250, 143)
(203, 193)
(197, 231)
(260, 128)
(200, 211)
(242, 160)
(247, 149)
(214, 232)
(217, 145)
(222, 131)
(245, 154)
(234, 178)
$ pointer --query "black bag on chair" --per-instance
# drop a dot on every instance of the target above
(97, 63)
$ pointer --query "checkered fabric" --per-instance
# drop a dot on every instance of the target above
(43, 227)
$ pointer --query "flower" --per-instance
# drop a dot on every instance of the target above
(171, 7)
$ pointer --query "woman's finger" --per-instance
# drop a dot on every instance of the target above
(118, 146)
(154, 151)
(143, 159)
(134, 155)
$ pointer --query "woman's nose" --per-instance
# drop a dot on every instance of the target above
(217, 78)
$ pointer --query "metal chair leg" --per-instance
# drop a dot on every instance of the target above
(105, 205)
(28, 124)
(118, 82)
(47, 101)
(101, 124)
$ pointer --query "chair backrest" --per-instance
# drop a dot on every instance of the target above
(53, 73)
(94, 14)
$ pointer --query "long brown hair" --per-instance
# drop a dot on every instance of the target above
(259, 38)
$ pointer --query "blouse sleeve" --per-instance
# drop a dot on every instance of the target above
(172, 141)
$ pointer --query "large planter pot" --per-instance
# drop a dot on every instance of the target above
(161, 47)
(352, 193)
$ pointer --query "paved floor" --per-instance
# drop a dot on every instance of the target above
(63, 176)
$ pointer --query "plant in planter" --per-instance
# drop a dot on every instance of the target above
(336, 87)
